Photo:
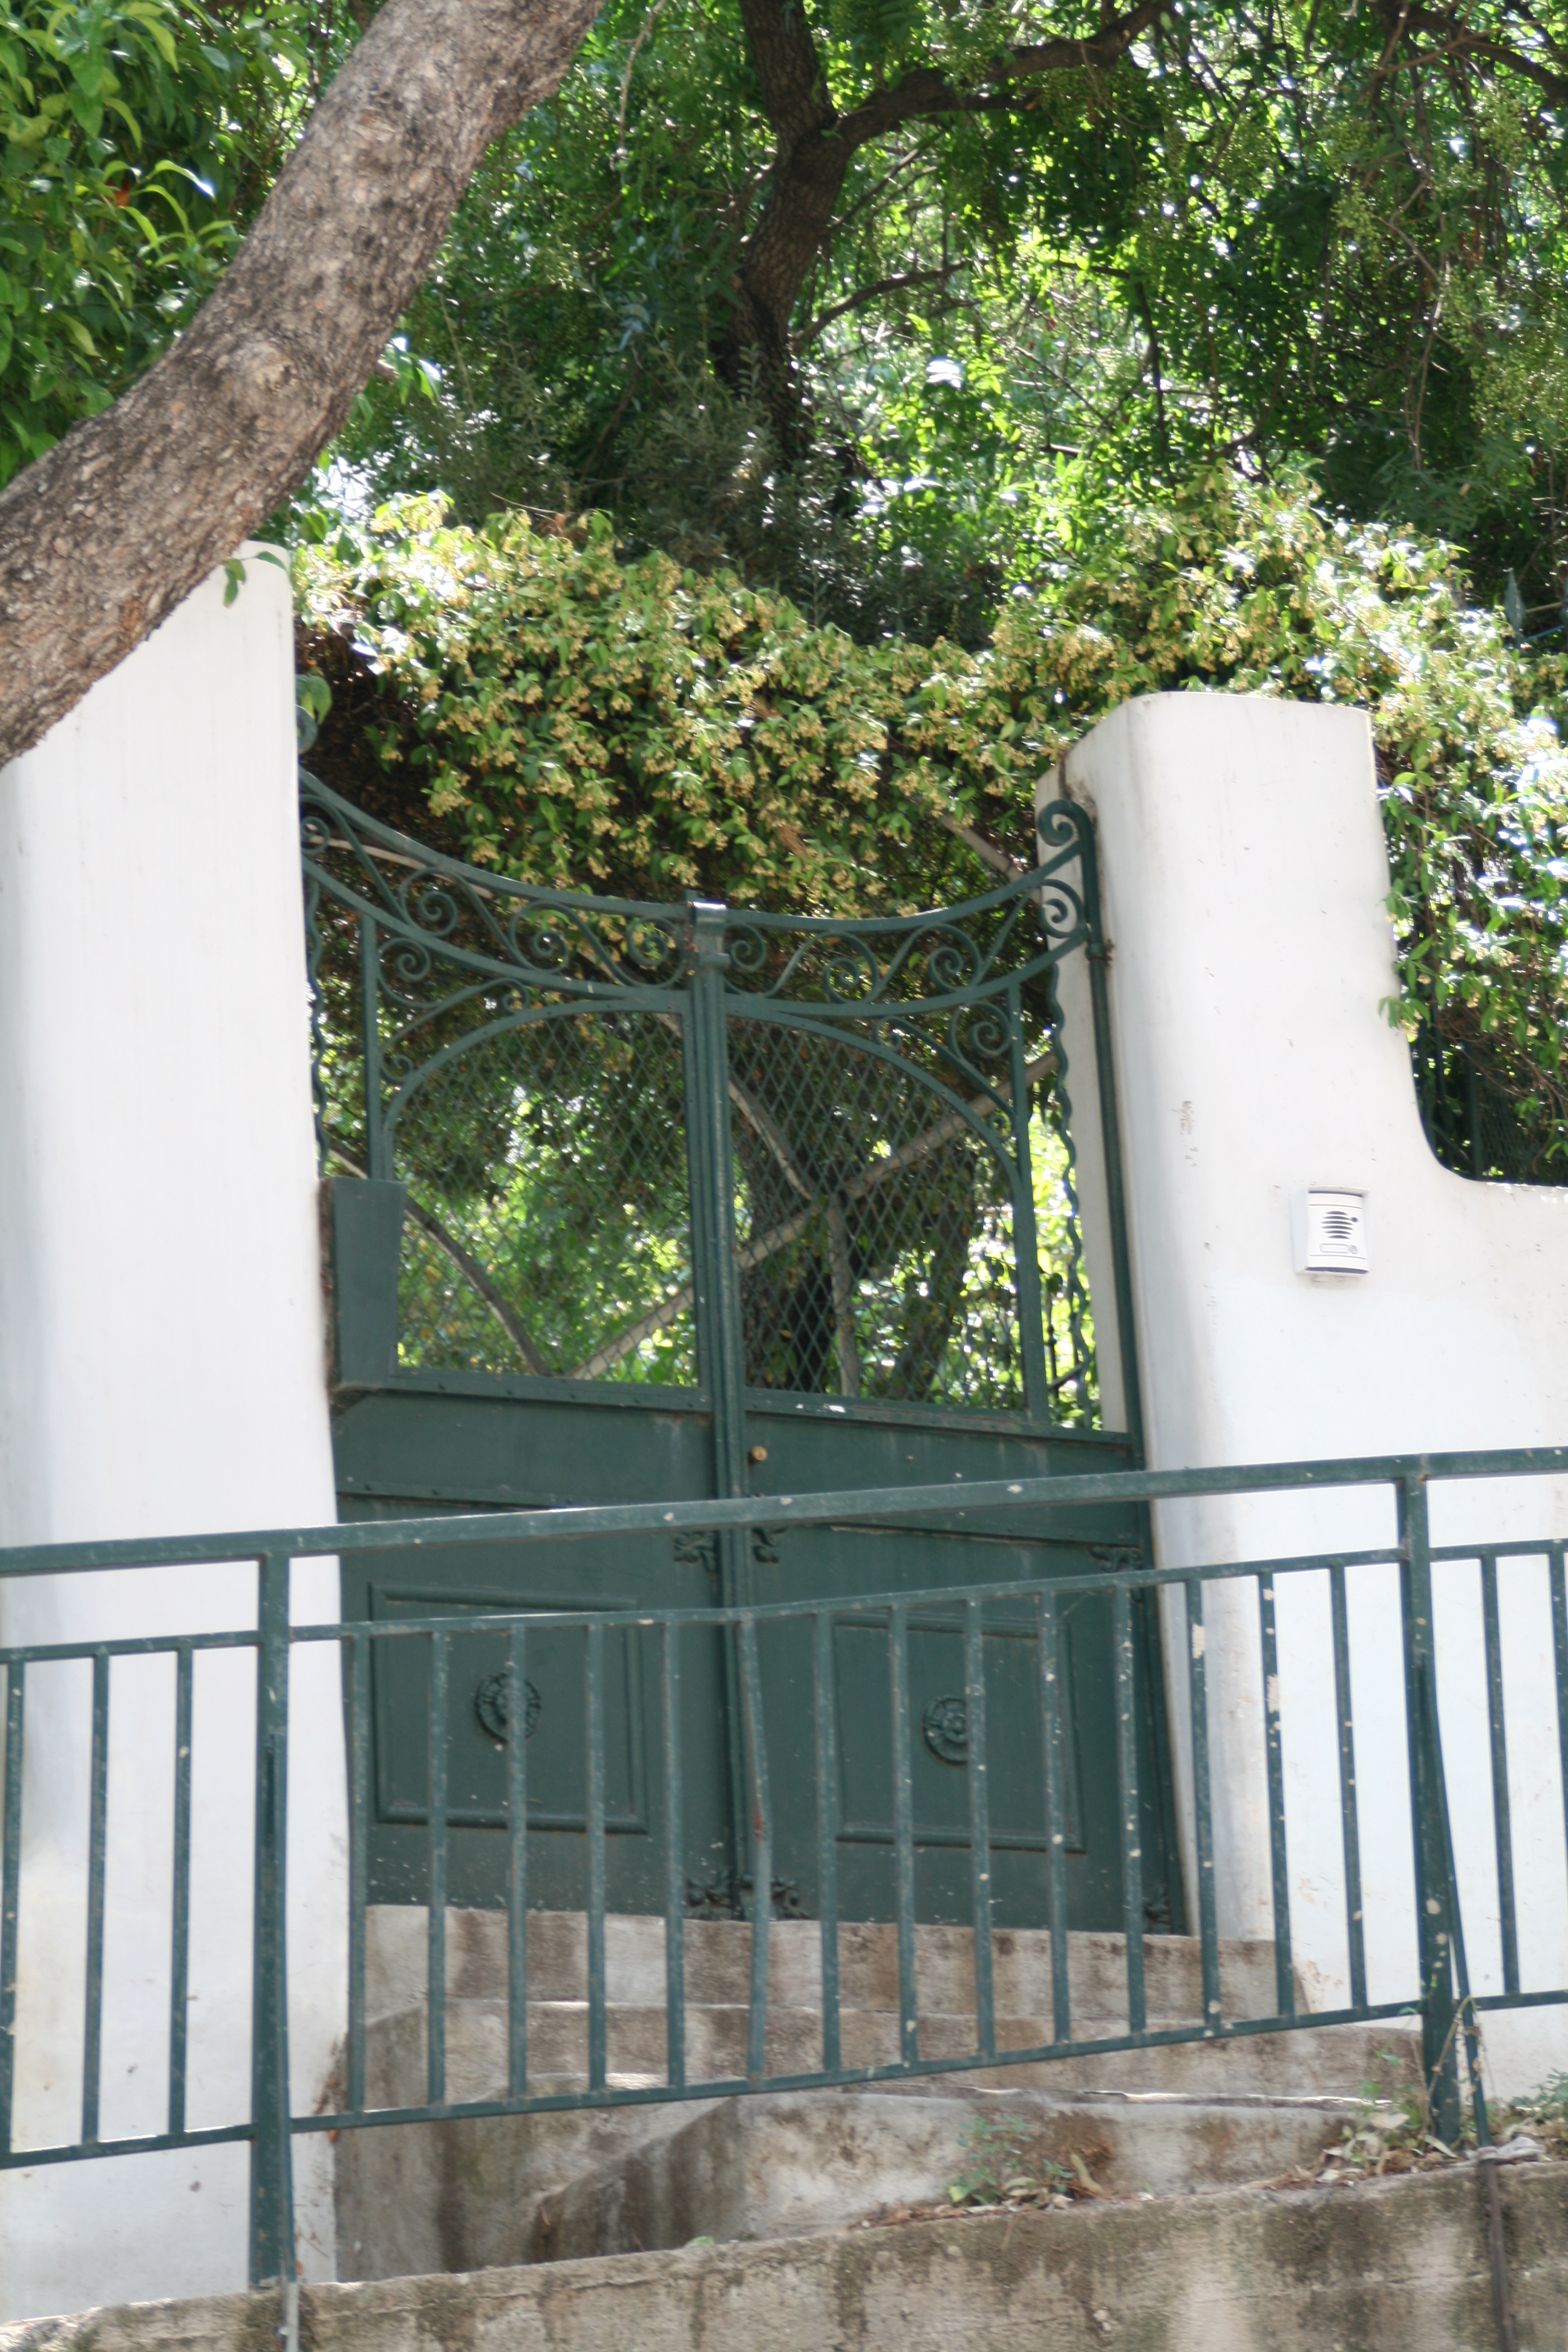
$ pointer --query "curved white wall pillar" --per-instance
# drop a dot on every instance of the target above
(1245, 881)
(161, 1371)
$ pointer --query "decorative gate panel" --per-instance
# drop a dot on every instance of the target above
(715, 1202)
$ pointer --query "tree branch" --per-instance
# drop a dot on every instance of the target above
(113, 527)
(929, 91)
(937, 275)
(1485, 49)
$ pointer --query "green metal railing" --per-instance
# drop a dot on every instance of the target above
(1439, 1990)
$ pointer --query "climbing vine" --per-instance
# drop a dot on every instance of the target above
(589, 722)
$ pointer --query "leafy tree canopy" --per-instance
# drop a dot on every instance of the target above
(832, 292)
(828, 291)
(138, 138)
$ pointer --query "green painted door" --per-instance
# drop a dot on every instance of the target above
(649, 1203)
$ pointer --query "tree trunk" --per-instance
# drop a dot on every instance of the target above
(113, 527)
(808, 174)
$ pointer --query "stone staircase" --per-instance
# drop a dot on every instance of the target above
(470, 2194)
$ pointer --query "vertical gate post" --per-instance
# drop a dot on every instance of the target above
(1026, 1239)
(1095, 955)
(716, 1292)
(370, 1031)
(1434, 1924)
(271, 2151)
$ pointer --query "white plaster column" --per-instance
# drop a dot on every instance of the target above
(161, 1372)
(1244, 882)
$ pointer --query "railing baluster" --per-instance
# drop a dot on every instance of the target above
(97, 1848)
(823, 1690)
(436, 1987)
(1203, 1807)
(979, 1827)
(674, 1860)
(272, 2254)
(762, 1829)
(1350, 1818)
(1466, 2019)
(1129, 1818)
(517, 1864)
(1054, 1814)
(180, 1925)
(1434, 1925)
(903, 1832)
(359, 1858)
(1559, 1658)
(594, 1675)
(10, 1892)
(1502, 1829)
(1284, 1967)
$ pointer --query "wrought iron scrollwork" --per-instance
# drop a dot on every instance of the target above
(905, 962)
(700, 1549)
(486, 926)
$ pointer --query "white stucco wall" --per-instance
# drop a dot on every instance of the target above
(1245, 878)
(161, 1372)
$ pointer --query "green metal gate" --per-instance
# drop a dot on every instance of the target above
(636, 1200)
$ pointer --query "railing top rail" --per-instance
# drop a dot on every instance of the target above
(499, 1619)
(918, 1600)
(963, 1500)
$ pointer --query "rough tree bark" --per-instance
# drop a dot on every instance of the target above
(817, 144)
(104, 535)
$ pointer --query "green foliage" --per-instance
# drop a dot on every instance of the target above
(586, 721)
(1003, 2164)
(627, 727)
(1543, 2114)
(998, 2162)
(1309, 233)
(135, 136)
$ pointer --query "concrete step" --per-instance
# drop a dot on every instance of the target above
(717, 1963)
(460, 2195)
(1400, 2264)
(776, 2167)
(463, 2195)
(549, 2188)
(1332, 2060)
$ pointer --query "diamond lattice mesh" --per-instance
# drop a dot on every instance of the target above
(549, 1222)
(874, 1228)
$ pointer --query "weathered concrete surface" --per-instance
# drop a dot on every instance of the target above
(717, 1960)
(464, 2195)
(1399, 2266)
(779, 2166)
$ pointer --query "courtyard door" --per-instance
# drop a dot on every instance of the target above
(639, 1204)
